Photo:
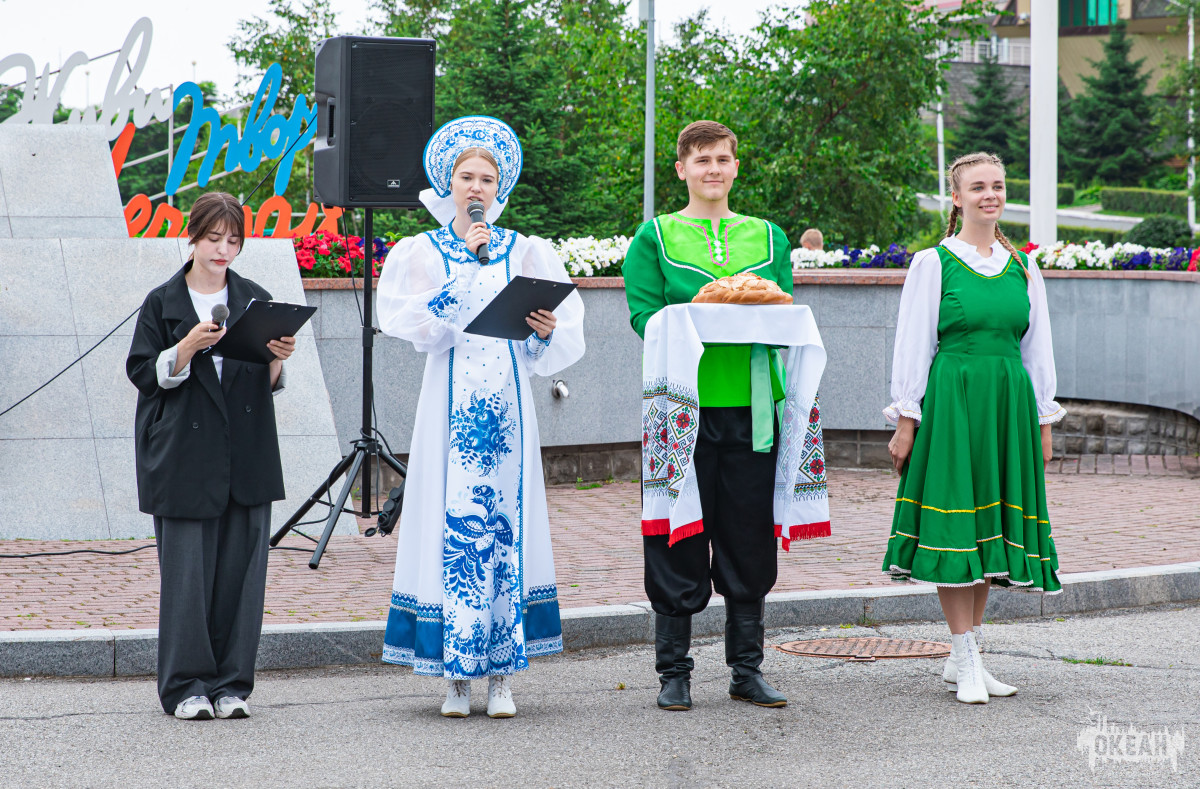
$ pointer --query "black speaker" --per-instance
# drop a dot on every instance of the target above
(374, 101)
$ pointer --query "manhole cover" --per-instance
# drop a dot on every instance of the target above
(865, 649)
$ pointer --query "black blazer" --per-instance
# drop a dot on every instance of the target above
(207, 440)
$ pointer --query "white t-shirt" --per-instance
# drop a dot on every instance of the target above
(204, 303)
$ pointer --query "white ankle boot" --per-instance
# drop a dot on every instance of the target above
(993, 686)
(458, 699)
(500, 698)
(969, 670)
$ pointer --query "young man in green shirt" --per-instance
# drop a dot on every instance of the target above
(669, 260)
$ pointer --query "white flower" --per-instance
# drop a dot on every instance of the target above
(583, 257)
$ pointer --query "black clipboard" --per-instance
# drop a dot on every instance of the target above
(504, 317)
(246, 339)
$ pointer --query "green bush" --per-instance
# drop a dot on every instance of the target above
(1161, 230)
(1144, 201)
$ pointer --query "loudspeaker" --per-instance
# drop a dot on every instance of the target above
(374, 101)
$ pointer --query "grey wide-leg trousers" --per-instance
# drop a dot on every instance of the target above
(213, 577)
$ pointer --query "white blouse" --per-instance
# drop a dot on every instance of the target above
(917, 340)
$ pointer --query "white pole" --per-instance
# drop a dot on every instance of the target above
(648, 176)
(1191, 171)
(941, 148)
(1043, 123)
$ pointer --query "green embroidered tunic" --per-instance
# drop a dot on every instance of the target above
(673, 256)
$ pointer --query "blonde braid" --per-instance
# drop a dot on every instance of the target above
(952, 227)
(1004, 242)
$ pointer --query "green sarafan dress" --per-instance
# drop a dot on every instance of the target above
(972, 499)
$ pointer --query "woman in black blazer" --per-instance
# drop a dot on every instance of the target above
(208, 469)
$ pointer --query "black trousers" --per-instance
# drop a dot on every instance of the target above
(735, 554)
(213, 578)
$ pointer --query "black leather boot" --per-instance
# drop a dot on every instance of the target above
(672, 640)
(745, 629)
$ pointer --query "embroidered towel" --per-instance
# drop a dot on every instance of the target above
(675, 339)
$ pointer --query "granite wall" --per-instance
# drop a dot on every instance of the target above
(1118, 336)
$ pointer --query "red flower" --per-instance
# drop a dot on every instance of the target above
(814, 415)
(345, 263)
(322, 249)
(1029, 247)
(683, 420)
(306, 260)
(662, 435)
(1194, 259)
(670, 469)
(817, 466)
(652, 465)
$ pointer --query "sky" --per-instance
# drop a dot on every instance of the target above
(190, 37)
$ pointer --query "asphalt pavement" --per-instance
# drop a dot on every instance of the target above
(1127, 718)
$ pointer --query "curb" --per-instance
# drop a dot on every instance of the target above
(132, 653)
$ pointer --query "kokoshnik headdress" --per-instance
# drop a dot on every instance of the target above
(454, 137)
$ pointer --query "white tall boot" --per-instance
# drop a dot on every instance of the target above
(500, 698)
(458, 699)
(993, 686)
(971, 689)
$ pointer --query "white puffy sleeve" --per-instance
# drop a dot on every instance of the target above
(417, 301)
(565, 344)
(1037, 351)
(916, 335)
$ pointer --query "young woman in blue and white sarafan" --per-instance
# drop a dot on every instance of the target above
(474, 593)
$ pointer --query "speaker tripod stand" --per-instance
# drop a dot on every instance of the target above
(367, 446)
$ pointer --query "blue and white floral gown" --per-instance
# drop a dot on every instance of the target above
(474, 593)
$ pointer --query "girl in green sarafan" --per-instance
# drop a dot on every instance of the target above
(974, 369)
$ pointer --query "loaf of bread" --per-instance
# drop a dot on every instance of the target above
(742, 289)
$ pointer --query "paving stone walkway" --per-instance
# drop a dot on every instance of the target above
(1107, 512)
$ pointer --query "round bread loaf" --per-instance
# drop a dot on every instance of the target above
(742, 289)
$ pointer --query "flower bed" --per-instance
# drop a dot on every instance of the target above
(326, 254)
(1096, 255)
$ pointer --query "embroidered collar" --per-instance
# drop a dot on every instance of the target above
(452, 248)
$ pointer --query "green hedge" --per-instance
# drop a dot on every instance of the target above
(1144, 201)
(1018, 189)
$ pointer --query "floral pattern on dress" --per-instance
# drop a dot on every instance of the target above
(473, 544)
(480, 432)
(444, 305)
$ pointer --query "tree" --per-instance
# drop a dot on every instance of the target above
(1019, 139)
(540, 74)
(993, 119)
(288, 36)
(1111, 137)
(838, 104)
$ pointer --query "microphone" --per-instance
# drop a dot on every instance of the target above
(220, 314)
(475, 210)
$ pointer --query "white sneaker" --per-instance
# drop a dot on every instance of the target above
(458, 699)
(232, 707)
(994, 686)
(500, 698)
(194, 708)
